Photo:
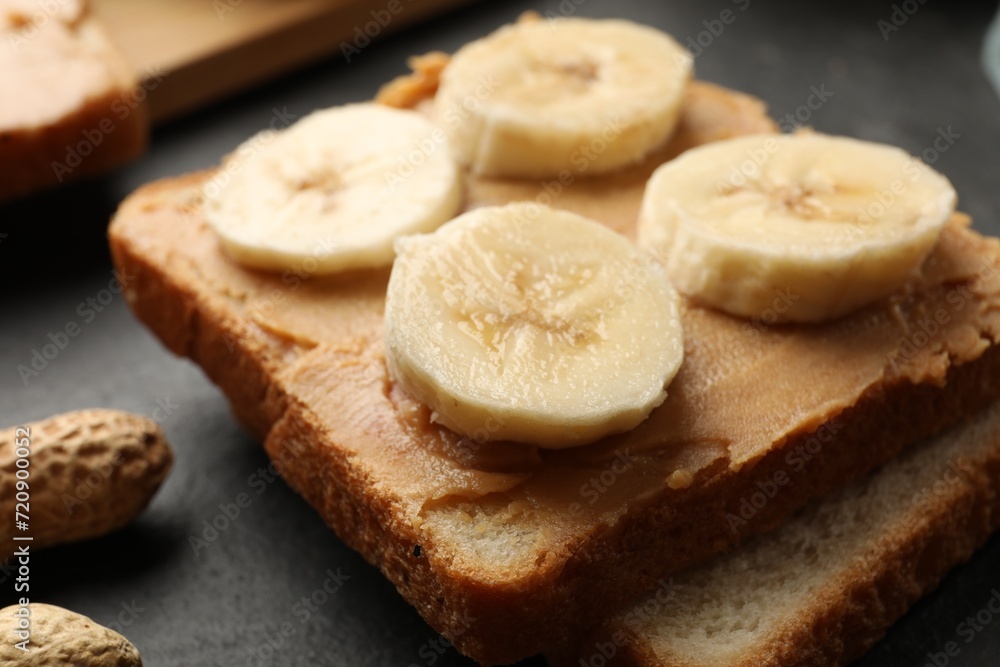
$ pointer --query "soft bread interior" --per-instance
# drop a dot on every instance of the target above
(907, 523)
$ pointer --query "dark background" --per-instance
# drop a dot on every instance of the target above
(219, 605)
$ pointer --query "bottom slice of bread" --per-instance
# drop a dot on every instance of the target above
(826, 586)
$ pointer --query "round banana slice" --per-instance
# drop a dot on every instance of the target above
(528, 324)
(333, 191)
(793, 228)
(539, 97)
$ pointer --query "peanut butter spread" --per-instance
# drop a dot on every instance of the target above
(744, 387)
(54, 60)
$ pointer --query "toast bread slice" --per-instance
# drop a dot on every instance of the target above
(824, 587)
(508, 550)
(69, 105)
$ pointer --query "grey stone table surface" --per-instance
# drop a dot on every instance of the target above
(907, 73)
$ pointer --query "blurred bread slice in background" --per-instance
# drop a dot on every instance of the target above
(70, 105)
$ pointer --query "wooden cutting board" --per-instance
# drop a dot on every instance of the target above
(189, 53)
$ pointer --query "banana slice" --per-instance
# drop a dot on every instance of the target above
(333, 191)
(793, 228)
(534, 325)
(539, 97)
